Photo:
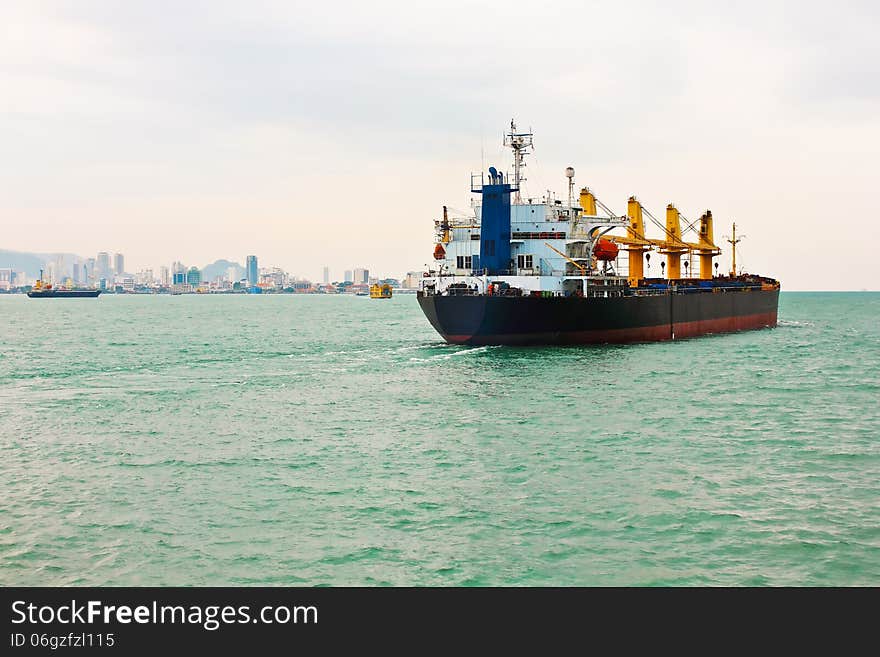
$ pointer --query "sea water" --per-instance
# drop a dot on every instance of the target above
(336, 440)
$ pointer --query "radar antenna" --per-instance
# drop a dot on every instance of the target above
(520, 142)
(569, 173)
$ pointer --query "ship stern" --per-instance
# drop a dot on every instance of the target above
(456, 318)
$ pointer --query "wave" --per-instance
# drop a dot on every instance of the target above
(459, 352)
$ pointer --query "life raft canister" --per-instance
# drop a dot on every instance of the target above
(439, 252)
(605, 250)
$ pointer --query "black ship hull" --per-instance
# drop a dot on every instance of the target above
(62, 294)
(501, 320)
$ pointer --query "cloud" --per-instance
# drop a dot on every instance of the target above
(215, 116)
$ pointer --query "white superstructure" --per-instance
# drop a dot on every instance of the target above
(551, 242)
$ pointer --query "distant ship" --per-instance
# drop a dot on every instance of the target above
(46, 290)
(521, 272)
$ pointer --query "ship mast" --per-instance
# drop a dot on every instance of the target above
(733, 242)
(520, 142)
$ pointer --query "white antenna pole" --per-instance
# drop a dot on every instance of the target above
(520, 142)
(569, 173)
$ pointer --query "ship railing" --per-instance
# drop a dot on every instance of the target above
(497, 272)
(478, 180)
(644, 292)
(691, 289)
(460, 292)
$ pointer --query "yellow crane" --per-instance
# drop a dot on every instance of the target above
(673, 247)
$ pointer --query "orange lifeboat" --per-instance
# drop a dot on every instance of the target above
(605, 250)
(439, 252)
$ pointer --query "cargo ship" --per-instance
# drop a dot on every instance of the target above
(47, 291)
(517, 271)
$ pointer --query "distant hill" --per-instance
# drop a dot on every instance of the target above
(219, 269)
(32, 263)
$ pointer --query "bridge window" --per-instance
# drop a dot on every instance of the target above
(524, 261)
(463, 262)
(538, 236)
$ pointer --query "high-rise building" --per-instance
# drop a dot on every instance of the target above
(76, 274)
(361, 276)
(119, 264)
(61, 270)
(89, 271)
(194, 277)
(103, 265)
(232, 274)
(326, 275)
(253, 273)
(164, 276)
(178, 273)
(274, 276)
(144, 277)
(348, 278)
(412, 280)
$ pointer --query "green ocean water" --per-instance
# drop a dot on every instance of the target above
(312, 440)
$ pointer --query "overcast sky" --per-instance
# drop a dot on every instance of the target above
(332, 133)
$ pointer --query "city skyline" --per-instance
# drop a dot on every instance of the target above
(107, 266)
(107, 273)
